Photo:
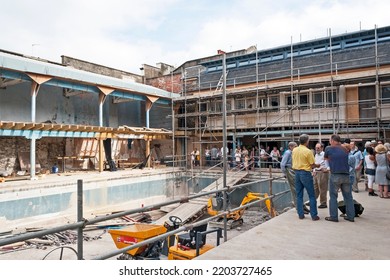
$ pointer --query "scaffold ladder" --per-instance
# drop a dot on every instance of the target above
(220, 83)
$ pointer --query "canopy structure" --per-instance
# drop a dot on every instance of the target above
(15, 68)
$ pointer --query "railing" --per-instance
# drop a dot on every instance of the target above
(82, 223)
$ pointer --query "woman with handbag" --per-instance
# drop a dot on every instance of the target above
(369, 159)
(381, 170)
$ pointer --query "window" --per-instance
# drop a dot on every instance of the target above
(277, 56)
(243, 63)
(228, 105)
(331, 98)
(274, 103)
(251, 103)
(265, 59)
(305, 51)
(217, 106)
(351, 43)
(318, 100)
(203, 107)
(385, 95)
(290, 103)
(240, 104)
(295, 53)
(304, 101)
(231, 65)
(263, 102)
(319, 49)
(336, 46)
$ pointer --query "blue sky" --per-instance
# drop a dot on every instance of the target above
(125, 34)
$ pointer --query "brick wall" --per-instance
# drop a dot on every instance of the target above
(169, 83)
(47, 151)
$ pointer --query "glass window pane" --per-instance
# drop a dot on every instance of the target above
(385, 95)
(318, 101)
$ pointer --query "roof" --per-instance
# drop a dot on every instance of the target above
(14, 66)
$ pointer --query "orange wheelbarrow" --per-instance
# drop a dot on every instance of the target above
(136, 233)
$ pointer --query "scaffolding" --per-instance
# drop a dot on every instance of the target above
(320, 98)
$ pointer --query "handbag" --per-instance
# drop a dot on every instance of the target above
(370, 171)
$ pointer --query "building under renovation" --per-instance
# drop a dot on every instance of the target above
(76, 115)
(338, 84)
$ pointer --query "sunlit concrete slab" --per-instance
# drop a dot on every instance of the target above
(288, 238)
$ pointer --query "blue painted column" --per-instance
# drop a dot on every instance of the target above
(148, 104)
(34, 92)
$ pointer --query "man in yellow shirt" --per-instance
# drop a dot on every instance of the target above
(303, 163)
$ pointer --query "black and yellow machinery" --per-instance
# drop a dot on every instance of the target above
(193, 243)
(136, 233)
(183, 246)
(234, 218)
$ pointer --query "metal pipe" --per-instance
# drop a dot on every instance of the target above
(101, 114)
(80, 219)
(224, 146)
(30, 235)
(183, 228)
(331, 80)
(32, 158)
(83, 223)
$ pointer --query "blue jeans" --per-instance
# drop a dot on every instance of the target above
(336, 182)
(304, 180)
(351, 180)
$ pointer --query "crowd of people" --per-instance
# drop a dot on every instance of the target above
(243, 157)
(321, 172)
(333, 169)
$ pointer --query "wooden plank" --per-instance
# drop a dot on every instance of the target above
(66, 127)
(19, 126)
(29, 126)
(24, 161)
(7, 125)
(193, 209)
(47, 126)
(352, 108)
(38, 126)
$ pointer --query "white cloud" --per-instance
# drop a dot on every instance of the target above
(125, 34)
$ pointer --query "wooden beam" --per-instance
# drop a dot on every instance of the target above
(47, 126)
(57, 126)
(29, 126)
(38, 126)
(7, 125)
(19, 126)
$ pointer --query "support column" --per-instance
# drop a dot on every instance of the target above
(102, 98)
(34, 92)
(32, 159)
(149, 103)
(104, 92)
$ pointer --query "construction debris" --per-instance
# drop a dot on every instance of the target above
(56, 239)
